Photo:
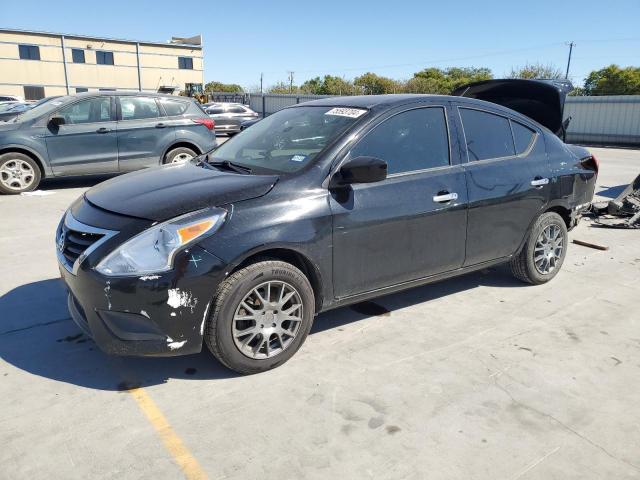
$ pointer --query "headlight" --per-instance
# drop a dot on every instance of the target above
(153, 250)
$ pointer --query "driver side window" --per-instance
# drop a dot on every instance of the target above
(409, 141)
(91, 110)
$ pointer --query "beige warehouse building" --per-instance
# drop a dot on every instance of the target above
(38, 64)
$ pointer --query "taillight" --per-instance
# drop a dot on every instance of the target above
(591, 163)
(207, 122)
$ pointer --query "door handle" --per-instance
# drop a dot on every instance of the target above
(160, 125)
(103, 130)
(444, 197)
(539, 182)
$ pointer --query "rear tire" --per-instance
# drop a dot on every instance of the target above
(180, 154)
(251, 301)
(543, 253)
(18, 173)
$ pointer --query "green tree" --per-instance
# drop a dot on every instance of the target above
(372, 84)
(536, 70)
(613, 80)
(283, 87)
(444, 81)
(329, 85)
(223, 87)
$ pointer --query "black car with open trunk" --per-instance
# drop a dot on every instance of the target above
(321, 205)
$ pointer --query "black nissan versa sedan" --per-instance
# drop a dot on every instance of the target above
(320, 205)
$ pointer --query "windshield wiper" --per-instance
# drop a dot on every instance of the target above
(228, 165)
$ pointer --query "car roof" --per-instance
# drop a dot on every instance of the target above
(125, 93)
(383, 102)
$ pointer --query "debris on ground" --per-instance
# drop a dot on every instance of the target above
(621, 212)
(590, 245)
(37, 193)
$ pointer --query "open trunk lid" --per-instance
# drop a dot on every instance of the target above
(540, 100)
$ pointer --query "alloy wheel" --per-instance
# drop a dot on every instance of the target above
(182, 157)
(17, 174)
(267, 320)
(548, 249)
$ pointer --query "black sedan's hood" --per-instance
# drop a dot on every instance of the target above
(161, 193)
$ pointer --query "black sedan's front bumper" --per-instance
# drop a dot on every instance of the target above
(152, 314)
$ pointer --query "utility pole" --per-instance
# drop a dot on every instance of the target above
(261, 74)
(291, 82)
(571, 45)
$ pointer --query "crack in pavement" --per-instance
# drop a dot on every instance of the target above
(563, 425)
(44, 324)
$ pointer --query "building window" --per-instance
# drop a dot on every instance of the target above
(104, 58)
(33, 93)
(29, 52)
(185, 63)
(78, 55)
(81, 89)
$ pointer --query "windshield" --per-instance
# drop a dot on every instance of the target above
(47, 105)
(7, 106)
(288, 140)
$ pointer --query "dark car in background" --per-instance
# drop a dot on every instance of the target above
(230, 116)
(317, 206)
(100, 132)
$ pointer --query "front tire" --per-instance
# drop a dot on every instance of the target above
(18, 173)
(261, 316)
(544, 251)
(180, 154)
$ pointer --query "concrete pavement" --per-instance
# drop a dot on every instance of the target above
(477, 377)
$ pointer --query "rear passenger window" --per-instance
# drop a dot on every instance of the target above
(236, 110)
(409, 141)
(487, 135)
(522, 136)
(135, 108)
(174, 107)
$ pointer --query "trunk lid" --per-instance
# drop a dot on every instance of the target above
(540, 100)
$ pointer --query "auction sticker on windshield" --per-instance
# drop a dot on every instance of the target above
(346, 112)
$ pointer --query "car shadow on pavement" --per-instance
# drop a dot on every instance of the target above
(611, 192)
(37, 336)
(74, 182)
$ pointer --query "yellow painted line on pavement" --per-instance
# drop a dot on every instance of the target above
(172, 442)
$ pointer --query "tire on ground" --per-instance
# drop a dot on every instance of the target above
(218, 334)
(31, 178)
(174, 154)
(523, 265)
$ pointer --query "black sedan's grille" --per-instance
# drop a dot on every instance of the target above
(76, 242)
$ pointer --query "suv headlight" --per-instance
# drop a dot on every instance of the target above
(152, 251)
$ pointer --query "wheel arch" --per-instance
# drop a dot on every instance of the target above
(29, 153)
(556, 207)
(289, 255)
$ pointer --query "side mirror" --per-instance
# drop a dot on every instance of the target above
(57, 120)
(360, 170)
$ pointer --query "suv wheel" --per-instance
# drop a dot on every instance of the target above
(543, 253)
(18, 173)
(180, 154)
(261, 316)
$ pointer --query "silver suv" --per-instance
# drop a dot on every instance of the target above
(229, 116)
(100, 132)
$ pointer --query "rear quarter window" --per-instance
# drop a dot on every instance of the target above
(522, 136)
(486, 135)
(174, 107)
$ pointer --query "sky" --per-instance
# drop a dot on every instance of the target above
(348, 38)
